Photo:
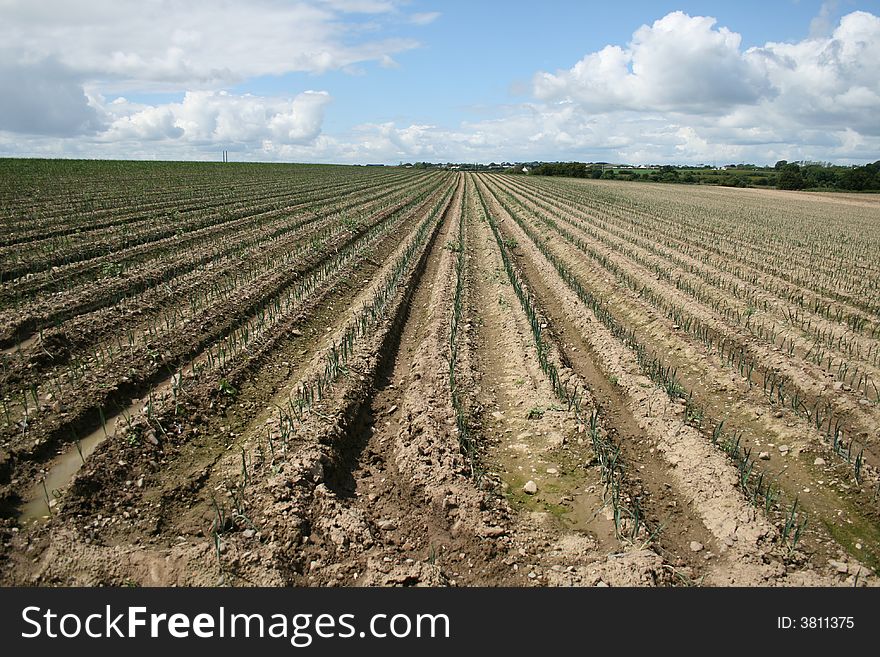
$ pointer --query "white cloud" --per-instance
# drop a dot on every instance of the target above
(830, 83)
(816, 98)
(193, 44)
(219, 118)
(679, 63)
(62, 57)
(424, 18)
(361, 6)
(683, 90)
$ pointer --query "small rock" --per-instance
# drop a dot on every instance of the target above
(839, 566)
(530, 488)
(778, 414)
(552, 471)
(764, 456)
(392, 409)
(784, 449)
(498, 415)
(696, 547)
(819, 461)
(386, 525)
(248, 533)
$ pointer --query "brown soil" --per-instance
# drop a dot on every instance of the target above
(225, 480)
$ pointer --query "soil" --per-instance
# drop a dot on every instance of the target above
(284, 465)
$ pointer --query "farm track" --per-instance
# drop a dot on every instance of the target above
(396, 477)
(371, 412)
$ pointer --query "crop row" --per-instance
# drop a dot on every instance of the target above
(219, 338)
(175, 203)
(628, 516)
(142, 318)
(664, 374)
(697, 230)
(757, 488)
(617, 256)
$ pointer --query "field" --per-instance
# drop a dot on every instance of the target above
(319, 375)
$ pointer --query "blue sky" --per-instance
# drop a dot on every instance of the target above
(481, 55)
(388, 80)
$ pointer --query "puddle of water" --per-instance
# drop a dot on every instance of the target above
(21, 346)
(588, 512)
(37, 504)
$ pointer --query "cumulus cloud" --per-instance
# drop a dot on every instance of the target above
(44, 98)
(60, 59)
(211, 118)
(679, 63)
(826, 82)
(812, 98)
(683, 89)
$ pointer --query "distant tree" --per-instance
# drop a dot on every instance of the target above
(570, 169)
(668, 174)
(790, 178)
(855, 179)
(781, 165)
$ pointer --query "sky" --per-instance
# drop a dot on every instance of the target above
(389, 81)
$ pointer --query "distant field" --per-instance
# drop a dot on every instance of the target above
(311, 375)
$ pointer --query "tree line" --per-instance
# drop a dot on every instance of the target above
(784, 175)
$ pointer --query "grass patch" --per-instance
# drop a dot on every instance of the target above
(848, 535)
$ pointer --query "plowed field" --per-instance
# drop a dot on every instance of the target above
(345, 376)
